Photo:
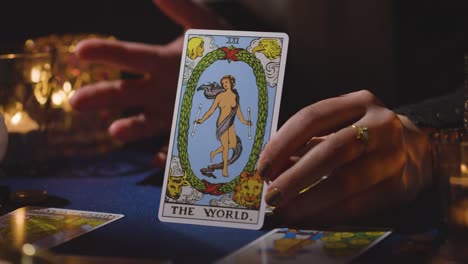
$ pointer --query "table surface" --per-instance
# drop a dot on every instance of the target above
(123, 182)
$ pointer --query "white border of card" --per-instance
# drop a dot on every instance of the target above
(302, 246)
(208, 213)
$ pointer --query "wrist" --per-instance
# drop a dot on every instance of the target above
(418, 147)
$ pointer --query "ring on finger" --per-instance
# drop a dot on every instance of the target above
(362, 134)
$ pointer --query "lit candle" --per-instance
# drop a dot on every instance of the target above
(18, 227)
(61, 98)
(20, 121)
(35, 74)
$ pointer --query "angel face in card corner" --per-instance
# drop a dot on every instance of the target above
(197, 47)
(224, 119)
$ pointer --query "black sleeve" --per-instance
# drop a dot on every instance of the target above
(440, 112)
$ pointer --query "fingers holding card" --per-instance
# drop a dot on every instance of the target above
(226, 110)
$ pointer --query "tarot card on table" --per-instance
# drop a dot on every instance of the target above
(284, 245)
(49, 227)
(225, 112)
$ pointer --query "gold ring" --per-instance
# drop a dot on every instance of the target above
(362, 134)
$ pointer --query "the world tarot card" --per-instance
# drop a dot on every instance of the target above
(225, 112)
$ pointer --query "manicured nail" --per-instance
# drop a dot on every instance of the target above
(273, 197)
(264, 170)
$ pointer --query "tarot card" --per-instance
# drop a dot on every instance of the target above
(74, 259)
(226, 111)
(49, 227)
(284, 245)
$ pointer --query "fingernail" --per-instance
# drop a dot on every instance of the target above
(273, 197)
(264, 170)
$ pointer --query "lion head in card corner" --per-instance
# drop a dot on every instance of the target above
(248, 192)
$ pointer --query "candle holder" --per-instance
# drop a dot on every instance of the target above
(35, 88)
(72, 133)
(24, 93)
(450, 172)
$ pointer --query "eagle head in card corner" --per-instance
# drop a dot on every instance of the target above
(269, 47)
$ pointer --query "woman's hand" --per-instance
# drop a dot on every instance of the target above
(387, 166)
(155, 93)
(247, 122)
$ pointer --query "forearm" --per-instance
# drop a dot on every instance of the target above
(206, 115)
(240, 115)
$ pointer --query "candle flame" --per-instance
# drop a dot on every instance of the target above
(29, 250)
(35, 74)
(463, 168)
(58, 98)
(67, 87)
(16, 118)
(20, 122)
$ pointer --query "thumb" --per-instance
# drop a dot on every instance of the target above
(190, 14)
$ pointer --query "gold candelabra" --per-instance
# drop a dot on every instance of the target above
(35, 88)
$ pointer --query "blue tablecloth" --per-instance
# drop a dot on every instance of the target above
(123, 182)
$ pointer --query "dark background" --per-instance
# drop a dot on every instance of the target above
(127, 20)
(429, 36)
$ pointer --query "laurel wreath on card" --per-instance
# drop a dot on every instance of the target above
(230, 54)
